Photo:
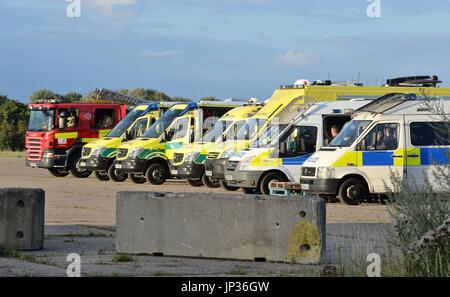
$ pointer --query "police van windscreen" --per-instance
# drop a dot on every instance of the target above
(123, 125)
(41, 120)
(270, 136)
(349, 133)
(162, 124)
(249, 130)
(216, 131)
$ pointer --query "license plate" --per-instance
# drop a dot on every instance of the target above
(82, 164)
(305, 186)
(174, 172)
(208, 173)
(33, 164)
(119, 166)
(228, 177)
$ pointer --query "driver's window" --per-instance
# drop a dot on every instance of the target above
(178, 129)
(68, 118)
(231, 133)
(138, 128)
(300, 140)
(382, 137)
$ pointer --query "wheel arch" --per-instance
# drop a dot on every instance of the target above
(353, 175)
(268, 172)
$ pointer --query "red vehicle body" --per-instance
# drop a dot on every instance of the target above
(58, 130)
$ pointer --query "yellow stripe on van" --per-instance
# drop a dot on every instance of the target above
(413, 161)
(399, 161)
(102, 133)
(264, 159)
(349, 159)
(66, 135)
(87, 140)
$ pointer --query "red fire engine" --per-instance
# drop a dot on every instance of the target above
(57, 130)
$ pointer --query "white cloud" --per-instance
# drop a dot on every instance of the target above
(294, 58)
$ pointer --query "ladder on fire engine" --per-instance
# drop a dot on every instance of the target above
(106, 94)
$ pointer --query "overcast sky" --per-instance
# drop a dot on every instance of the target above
(222, 48)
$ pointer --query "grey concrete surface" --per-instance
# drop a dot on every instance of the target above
(244, 227)
(22, 218)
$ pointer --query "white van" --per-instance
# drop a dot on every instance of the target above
(279, 152)
(395, 135)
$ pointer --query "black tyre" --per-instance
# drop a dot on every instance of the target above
(195, 182)
(352, 191)
(157, 174)
(223, 184)
(137, 179)
(75, 168)
(210, 183)
(116, 175)
(270, 177)
(101, 175)
(58, 172)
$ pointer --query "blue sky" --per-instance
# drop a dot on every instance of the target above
(222, 48)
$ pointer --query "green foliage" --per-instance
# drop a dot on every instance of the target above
(13, 124)
(44, 94)
(73, 96)
(211, 98)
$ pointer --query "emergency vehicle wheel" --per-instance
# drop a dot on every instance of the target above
(116, 175)
(157, 174)
(58, 172)
(101, 175)
(352, 191)
(76, 170)
(225, 186)
(195, 182)
(137, 179)
(209, 183)
(270, 177)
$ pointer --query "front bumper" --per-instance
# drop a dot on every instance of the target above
(320, 186)
(243, 178)
(59, 160)
(131, 165)
(96, 163)
(187, 170)
(215, 168)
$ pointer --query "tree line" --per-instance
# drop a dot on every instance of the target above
(14, 114)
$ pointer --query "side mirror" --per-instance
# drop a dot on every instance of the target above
(62, 123)
(283, 148)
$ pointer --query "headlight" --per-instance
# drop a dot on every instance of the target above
(245, 163)
(97, 151)
(135, 152)
(191, 157)
(227, 154)
(325, 172)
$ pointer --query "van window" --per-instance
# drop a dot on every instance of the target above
(299, 141)
(430, 133)
(139, 128)
(382, 137)
(68, 118)
(332, 125)
(103, 118)
(178, 129)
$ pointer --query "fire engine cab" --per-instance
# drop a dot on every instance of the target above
(58, 129)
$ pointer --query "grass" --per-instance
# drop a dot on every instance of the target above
(11, 154)
(122, 258)
(24, 257)
(238, 271)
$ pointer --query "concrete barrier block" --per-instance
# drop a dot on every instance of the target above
(22, 218)
(246, 227)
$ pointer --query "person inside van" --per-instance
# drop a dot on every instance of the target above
(71, 120)
(390, 141)
(334, 132)
(379, 142)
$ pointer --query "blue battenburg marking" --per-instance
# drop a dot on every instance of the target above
(296, 160)
(150, 107)
(434, 156)
(377, 158)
